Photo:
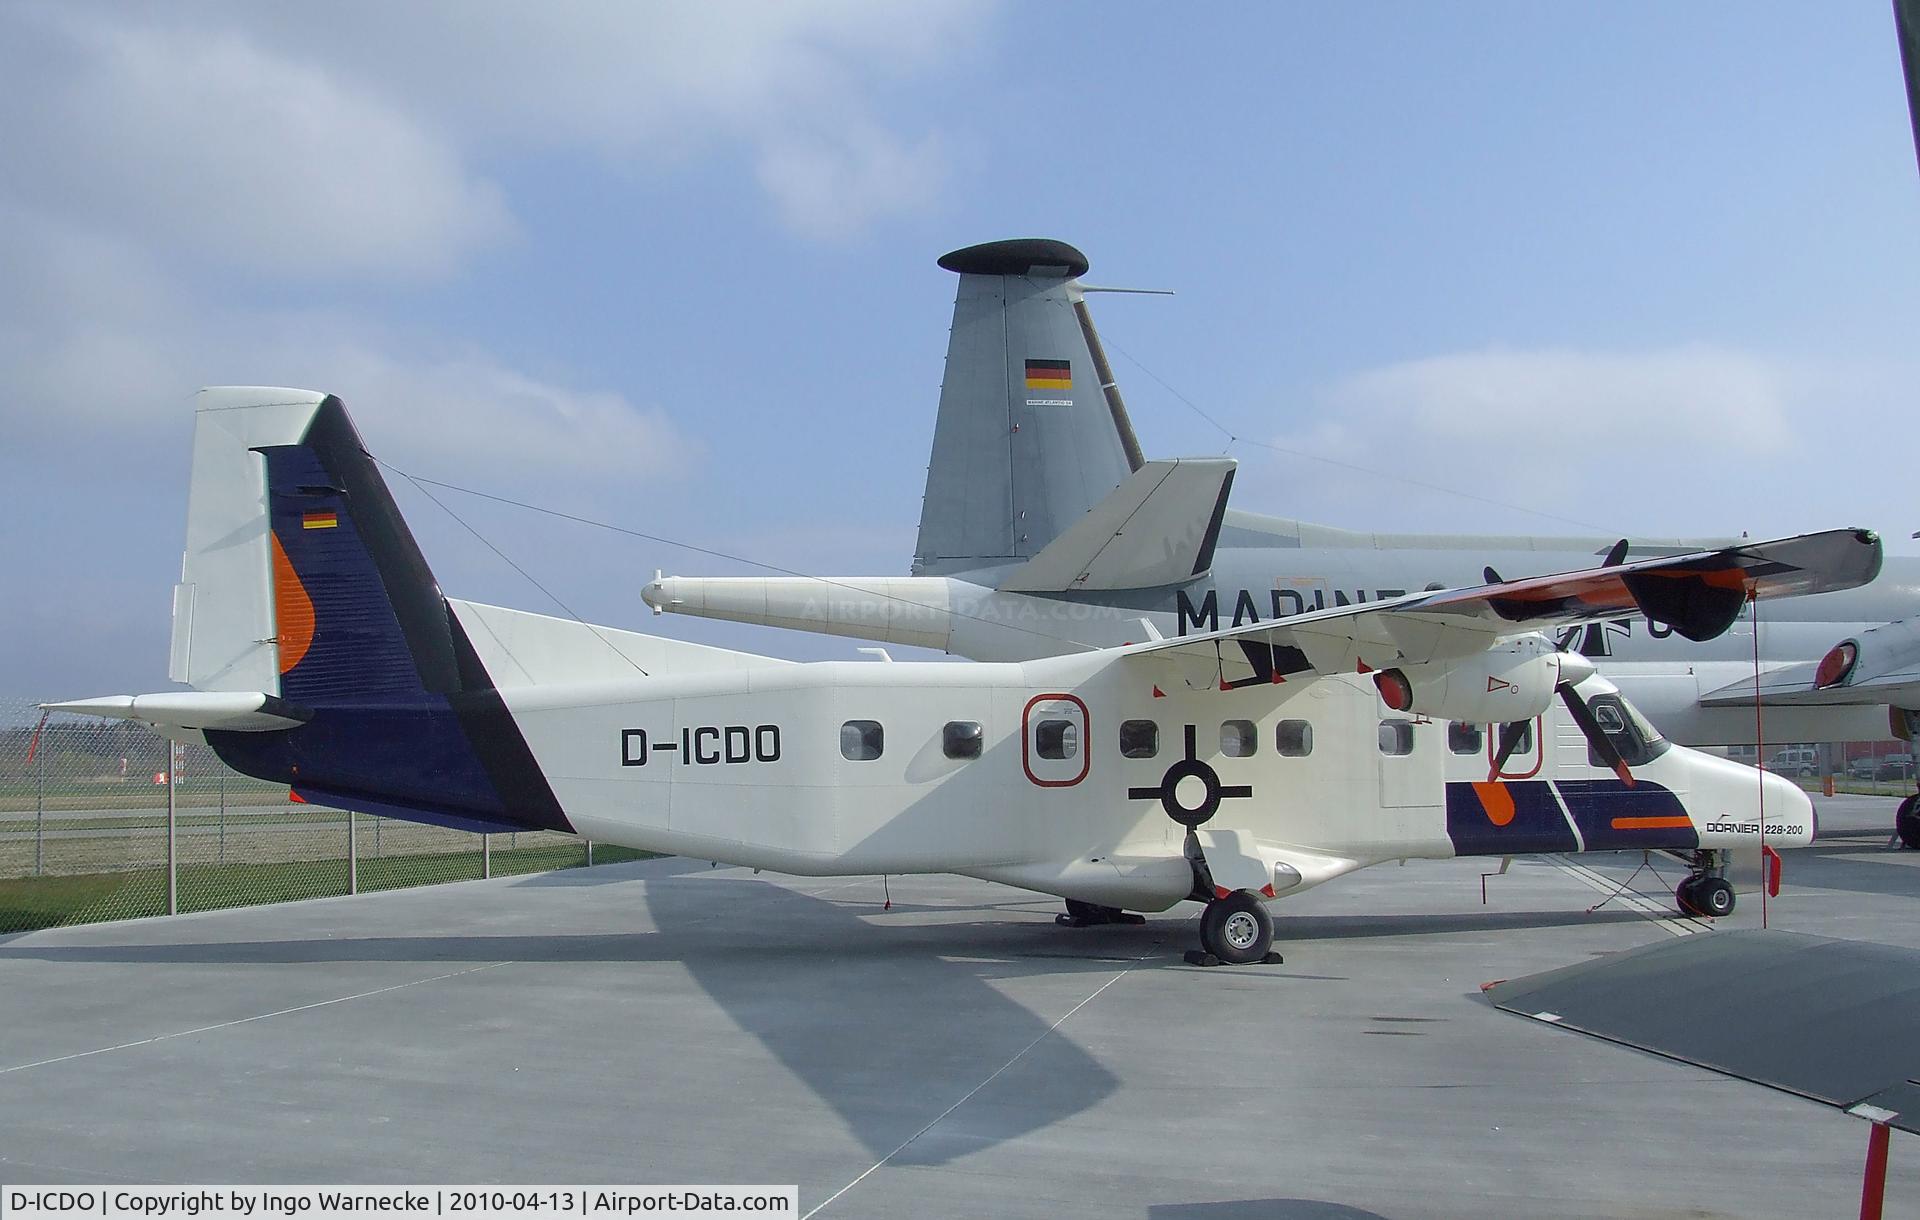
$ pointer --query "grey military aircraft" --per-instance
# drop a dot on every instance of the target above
(1045, 530)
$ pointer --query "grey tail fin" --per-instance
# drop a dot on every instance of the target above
(1906, 25)
(1031, 432)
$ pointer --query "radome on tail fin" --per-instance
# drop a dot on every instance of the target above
(1028, 437)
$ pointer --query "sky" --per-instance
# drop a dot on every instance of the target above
(1633, 268)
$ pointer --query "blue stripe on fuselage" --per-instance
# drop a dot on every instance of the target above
(1536, 825)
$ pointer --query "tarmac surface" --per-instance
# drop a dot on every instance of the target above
(957, 1054)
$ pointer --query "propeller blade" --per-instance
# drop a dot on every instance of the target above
(1595, 735)
(1616, 555)
(1510, 734)
(1492, 577)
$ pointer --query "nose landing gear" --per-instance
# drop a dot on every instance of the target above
(1706, 890)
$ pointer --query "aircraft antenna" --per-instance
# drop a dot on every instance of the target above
(551, 595)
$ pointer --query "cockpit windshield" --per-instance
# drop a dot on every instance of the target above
(1637, 741)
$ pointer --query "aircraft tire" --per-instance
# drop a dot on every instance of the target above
(1683, 896)
(1714, 897)
(1237, 929)
(1906, 823)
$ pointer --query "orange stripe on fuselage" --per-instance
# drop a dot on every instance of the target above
(1497, 800)
(1667, 823)
(292, 609)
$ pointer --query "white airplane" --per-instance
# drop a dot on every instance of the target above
(1044, 530)
(1231, 766)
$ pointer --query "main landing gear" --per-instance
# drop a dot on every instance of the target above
(1906, 822)
(1236, 930)
(1706, 890)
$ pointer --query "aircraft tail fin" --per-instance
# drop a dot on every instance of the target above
(301, 579)
(1031, 433)
(1159, 527)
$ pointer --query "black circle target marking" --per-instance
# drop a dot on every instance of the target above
(1191, 767)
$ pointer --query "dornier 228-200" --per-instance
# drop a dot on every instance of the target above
(1229, 768)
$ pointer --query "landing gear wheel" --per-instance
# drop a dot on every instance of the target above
(1906, 823)
(1237, 929)
(1709, 896)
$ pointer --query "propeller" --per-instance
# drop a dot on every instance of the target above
(1595, 735)
(1574, 669)
(1510, 735)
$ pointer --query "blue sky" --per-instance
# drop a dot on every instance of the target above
(1653, 267)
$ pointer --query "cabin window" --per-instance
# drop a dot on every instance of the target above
(862, 740)
(961, 739)
(1237, 738)
(1525, 744)
(1465, 738)
(1056, 739)
(1636, 740)
(1396, 737)
(1139, 739)
(1294, 739)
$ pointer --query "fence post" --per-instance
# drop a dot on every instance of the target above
(173, 877)
(353, 852)
(40, 806)
(589, 853)
(486, 855)
(223, 813)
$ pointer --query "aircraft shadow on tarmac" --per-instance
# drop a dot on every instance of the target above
(889, 1023)
(1306, 928)
(1261, 1209)
(875, 1021)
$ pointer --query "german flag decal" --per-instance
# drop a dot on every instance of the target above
(1049, 375)
(319, 521)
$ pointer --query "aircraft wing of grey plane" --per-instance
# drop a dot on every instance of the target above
(1044, 530)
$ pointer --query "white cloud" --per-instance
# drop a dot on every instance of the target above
(472, 414)
(203, 143)
(102, 342)
(1668, 438)
(833, 186)
(1527, 402)
(623, 78)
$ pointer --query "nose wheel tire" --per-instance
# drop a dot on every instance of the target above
(1709, 896)
(1237, 929)
(1906, 823)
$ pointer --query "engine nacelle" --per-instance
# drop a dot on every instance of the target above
(1890, 648)
(1513, 681)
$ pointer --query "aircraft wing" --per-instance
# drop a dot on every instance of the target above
(1880, 665)
(1794, 685)
(1699, 595)
(1158, 527)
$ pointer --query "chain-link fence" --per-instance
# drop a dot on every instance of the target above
(84, 832)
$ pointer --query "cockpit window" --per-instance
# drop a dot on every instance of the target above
(1637, 741)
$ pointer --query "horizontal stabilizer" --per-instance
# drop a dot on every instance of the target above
(234, 711)
(1158, 527)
